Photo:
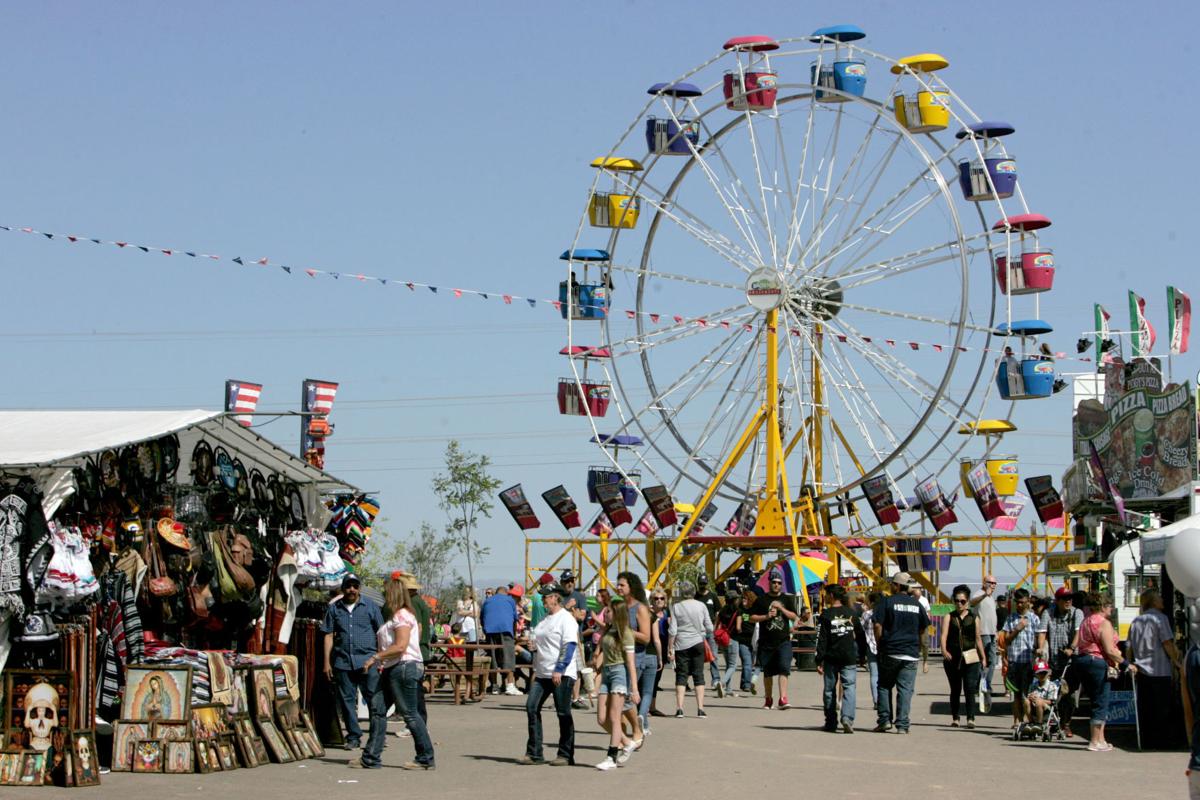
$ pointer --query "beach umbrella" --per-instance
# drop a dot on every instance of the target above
(797, 573)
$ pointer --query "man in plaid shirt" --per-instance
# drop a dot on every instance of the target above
(1021, 631)
(1058, 643)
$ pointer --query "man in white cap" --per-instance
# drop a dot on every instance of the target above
(984, 604)
(899, 623)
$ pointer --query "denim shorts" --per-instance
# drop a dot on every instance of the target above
(614, 680)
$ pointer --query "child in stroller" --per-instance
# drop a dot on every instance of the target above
(1042, 719)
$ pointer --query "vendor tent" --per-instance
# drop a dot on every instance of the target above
(44, 442)
(1154, 543)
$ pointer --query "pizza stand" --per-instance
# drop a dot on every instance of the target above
(162, 577)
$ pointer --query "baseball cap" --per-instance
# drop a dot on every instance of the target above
(566, 575)
(703, 580)
(1040, 666)
(552, 588)
(902, 579)
(350, 580)
(1063, 593)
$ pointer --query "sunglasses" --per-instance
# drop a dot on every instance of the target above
(960, 599)
(777, 583)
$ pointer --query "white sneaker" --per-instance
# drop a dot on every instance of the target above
(512, 689)
(606, 764)
(623, 755)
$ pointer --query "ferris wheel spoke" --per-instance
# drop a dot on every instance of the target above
(691, 224)
(781, 155)
(905, 260)
(762, 190)
(651, 273)
(825, 191)
(885, 312)
(730, 197)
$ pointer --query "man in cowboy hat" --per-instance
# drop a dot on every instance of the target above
(899, 623)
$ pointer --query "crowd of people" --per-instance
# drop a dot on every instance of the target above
(611, 655)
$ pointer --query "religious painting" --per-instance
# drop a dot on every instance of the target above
(36, 702)
(239, 694)
(287, 712)
(206, 756)
(263, 698)
(299, 749)
(125, 733)
(10, 768)
(179, 756)
(172, 730)
(260, 751)
(245, 747)
(209, 720)
(154, 693)
(275, 742)
(33, 768)
(227, 751)
(148, 755)
(59, 771)
(311, 729)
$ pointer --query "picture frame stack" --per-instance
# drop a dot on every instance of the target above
(41, 743)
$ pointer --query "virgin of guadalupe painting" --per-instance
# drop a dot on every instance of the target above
(153, 693)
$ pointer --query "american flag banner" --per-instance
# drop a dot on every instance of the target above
(321, 394)
(316, 398)
(241, 397)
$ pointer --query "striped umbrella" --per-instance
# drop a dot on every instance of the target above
(797, 573)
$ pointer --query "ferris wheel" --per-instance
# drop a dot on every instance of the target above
(783, 284)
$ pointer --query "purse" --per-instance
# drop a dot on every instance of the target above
(241, 578)
(708, 653)
(160, 584)
(970, 656)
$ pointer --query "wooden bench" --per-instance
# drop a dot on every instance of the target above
(458, 676)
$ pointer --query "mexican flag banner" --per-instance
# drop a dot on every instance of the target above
(1102, 318)
(1143, 335)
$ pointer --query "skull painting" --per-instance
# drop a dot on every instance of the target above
(41, 714)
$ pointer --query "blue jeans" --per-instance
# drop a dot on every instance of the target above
(539, 691)
(746, 656)
(989, 649)
(731, 665)
(349, 683)
(713, 669)
(406, 686)
(848, 675)
(647, 670)
(895, 673)
(1092, 672)
(873, 670)
(377, 709)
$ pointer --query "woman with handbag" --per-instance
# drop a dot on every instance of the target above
(689, 629)
(962, 654)
(1097, 660)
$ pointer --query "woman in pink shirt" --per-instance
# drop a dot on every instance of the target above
(399, 658)
(1097, 653)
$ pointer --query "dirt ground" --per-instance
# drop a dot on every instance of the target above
(739, 747)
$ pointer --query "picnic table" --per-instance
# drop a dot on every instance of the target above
(468, 672)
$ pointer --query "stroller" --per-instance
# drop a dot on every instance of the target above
(1051, 727)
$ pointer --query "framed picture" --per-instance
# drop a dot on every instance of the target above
(227, 751)
(299, 748)
(85, 765)
(207, 759)
(244, 726)
(16, 740)
(287, 713)
(260, 750)
(318, 748)
(173, 730)
(33, 768)
(275, 742)
(245, 748)
(180, 756)
(263, 699)
(59, 760)
(36, 702)
(154, 693)
(125, 733)
(210, 720)
(148, 755)
(239, 700)
(10, 768)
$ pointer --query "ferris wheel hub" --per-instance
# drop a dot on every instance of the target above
(818, 300)
(766, 289)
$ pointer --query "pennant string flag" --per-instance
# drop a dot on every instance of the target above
(1181, 301)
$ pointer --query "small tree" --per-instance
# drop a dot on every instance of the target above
(427, 555)
(464, 492)
(381, 557)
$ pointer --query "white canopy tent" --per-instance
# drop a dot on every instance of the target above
(46, 444)
(1154, 543)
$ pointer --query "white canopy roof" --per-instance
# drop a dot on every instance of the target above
(32, 441)
(1154, 543)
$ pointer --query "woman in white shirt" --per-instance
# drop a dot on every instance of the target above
(399, 658)
(555, 670)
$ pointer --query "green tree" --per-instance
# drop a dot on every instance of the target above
(427, 555)
(464, 492)
(383, 554)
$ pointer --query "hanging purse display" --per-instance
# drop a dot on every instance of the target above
(241, 578)
(160, 584)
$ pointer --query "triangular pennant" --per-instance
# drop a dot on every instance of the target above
(557, 305)
(937, 347)
(630, 314)
(312, 273)
(411, 287)
(654, 318)
(866, 338)
(914, 345)
(747, 327)
(5, 227)
(143, 248)
(167, 252)
(841, 337)
(190, 253)
(532, 302)
(507, 299)
(703, 323)
(96, 241)
(261, 261)
(286, 268)
(334, 275)
(71, 239)
(118, 244)
(795, 331)
(214, 258)
(771, 328)
(361, 277)
(432, 289)
(26, 230)
(382, 281)
(678, 319)
(891, 342)
(483, 295)
(238, 260)
(962, 349)
(458, 292)
(48, 235)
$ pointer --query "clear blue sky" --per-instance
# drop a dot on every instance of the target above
(449, 144)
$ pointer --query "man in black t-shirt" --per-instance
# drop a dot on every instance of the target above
(838, 634)
(713, 604)
(775, 612)
(900, 622)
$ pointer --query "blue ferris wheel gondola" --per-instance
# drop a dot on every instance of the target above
(1023, 327)
(838, 33)
(619, 440)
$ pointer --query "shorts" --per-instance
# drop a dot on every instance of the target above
(614, 679)
(690, 663)
(503, 659)
(1020, 676)
(777, 661)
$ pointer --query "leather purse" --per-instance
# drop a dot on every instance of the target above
(241, 578)
(160, 584)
